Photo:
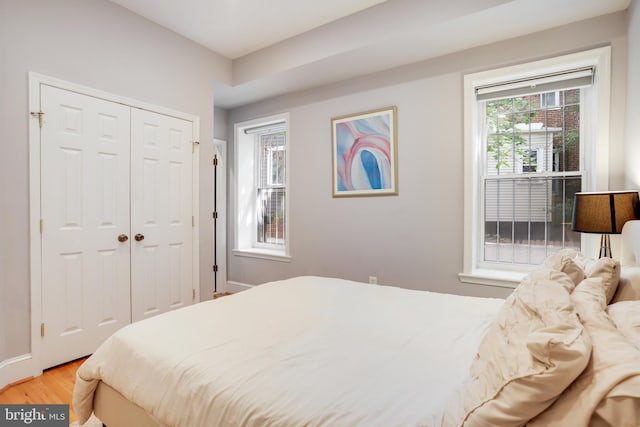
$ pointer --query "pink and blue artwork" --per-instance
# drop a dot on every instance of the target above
(364, 153)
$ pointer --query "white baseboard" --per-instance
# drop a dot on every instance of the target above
(234, 287)
(17, 368)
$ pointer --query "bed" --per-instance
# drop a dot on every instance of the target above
(563, 349)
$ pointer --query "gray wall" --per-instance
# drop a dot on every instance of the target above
(220, 117)
(101, 45)
(632, 136)
(415, 239)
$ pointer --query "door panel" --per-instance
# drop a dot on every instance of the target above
(85, 148)
(161, 168)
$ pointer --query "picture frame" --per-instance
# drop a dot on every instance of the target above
(364, 153)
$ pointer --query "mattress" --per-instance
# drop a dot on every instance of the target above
(305, 351)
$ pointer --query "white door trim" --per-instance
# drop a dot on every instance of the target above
(35, 254)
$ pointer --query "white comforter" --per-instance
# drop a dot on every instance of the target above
(306, 351)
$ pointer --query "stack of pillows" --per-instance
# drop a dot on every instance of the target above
(557, 354)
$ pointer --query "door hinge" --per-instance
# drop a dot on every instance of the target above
(193, 294)
(42, 329)
(193, 146)
(215, 215)
(215, 160)
(215, 268)
(41, 226)
(193, 221)
(39, 114)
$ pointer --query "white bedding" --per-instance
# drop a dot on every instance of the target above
(306, 351)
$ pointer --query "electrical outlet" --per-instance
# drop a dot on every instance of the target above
(373, 280)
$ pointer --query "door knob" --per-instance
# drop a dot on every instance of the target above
(139, 237)
(123, 238)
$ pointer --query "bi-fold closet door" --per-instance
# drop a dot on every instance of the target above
(116, 209)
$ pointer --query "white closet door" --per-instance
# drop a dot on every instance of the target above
(85, 208)
(161, 213)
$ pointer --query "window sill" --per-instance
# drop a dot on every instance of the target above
(499, 278)
(262, 254)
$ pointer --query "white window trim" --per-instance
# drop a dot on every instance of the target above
(245, 243)
(510, 276)
(262, 253)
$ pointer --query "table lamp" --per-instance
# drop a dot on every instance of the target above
(604, 213)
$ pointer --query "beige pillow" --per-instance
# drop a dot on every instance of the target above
(532, 352)
(609, 270)
(607, 389)
(566, 261)
(626, 316)
(629, 285)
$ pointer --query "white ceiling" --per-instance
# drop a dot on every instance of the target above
(235, 28)
(280, 46)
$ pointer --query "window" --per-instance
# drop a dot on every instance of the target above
(530, 160)
(550, 99)
(271, 190)
(261, 188)
(534, 135)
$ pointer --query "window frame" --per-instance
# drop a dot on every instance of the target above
(247, 169)
(595, 156)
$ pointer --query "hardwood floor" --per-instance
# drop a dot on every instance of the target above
(221, 294)
(54, 386)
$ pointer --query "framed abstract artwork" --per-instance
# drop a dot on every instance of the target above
(365, 153)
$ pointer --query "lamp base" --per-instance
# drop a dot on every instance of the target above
(605, 246)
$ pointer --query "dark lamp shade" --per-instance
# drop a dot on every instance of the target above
(603, 213)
